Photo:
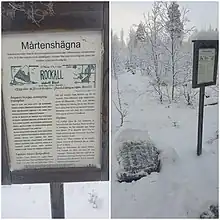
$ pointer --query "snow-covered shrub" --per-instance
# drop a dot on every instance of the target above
(189, 94)
(215, 138)
(211, 213)
(130, 68)
(136, 160)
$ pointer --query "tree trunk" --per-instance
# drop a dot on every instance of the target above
(122, 120)
(114, 67)
(161, 98)
(173, 68)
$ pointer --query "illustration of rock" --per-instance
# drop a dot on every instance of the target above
(22, 76)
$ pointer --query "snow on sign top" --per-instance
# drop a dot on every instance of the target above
(207, 35)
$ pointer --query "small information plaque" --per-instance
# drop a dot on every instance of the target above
(205, 63)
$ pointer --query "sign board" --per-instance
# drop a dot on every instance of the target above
(205, 63)
(55, 96)
(52, 93)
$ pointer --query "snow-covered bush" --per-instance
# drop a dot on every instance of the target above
(215, 138)
(211, 213)
(136, 160)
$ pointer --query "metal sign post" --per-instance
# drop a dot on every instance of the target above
(57, 200)
(200, 120)
(205, 64)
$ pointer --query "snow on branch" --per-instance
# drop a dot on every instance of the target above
(34, 11)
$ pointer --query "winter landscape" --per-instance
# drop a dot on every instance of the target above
(155, 169)
(32, 201)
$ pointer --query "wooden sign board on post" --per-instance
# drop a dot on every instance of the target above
(205, 65)
(55, 96)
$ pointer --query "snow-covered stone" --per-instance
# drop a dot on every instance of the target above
(137, 159)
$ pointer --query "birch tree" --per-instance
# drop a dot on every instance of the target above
(175, 29)
(150, 34)
(175, 20)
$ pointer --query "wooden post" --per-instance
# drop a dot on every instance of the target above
(57, 200)
(200, 120)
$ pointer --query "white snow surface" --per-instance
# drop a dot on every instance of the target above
(82, 200)
(187, 184)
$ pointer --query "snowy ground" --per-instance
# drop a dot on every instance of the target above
(82, 200)
(184, 187)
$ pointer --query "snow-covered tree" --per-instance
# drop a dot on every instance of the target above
(119, 104)
(118, 64)
(142, 48)
(122, 39)
(149, 33)
(176, 56)
(115, 55)
(174, 27)
(174, 24)
(131, 63)
(159, 50)
(140, 32)
(33, 11)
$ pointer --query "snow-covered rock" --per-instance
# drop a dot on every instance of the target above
(136, 155)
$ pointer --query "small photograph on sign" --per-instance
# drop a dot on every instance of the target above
(84, 73)
(21, 75)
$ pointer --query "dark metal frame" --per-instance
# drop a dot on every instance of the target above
(52, 175)
(199, 44)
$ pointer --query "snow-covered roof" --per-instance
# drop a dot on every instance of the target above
(206, 35)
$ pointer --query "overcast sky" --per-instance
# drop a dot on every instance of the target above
(124, 14)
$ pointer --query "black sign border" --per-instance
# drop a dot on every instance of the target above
(86, 174)
(203, 44)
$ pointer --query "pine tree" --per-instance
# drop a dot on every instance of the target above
(174, 24)
(122, 39)
(115, 62)
(140, 32)
(175, 29)
(132, 47)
